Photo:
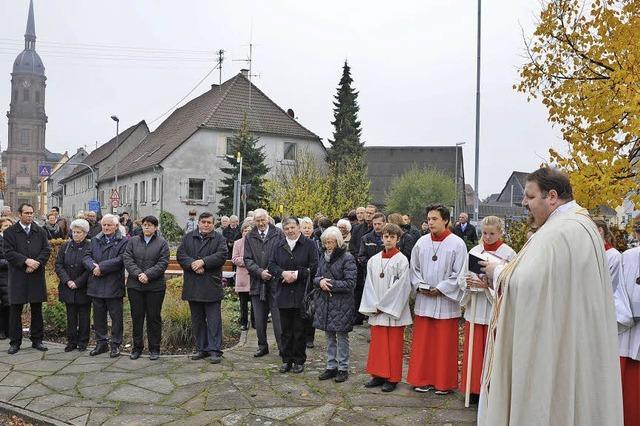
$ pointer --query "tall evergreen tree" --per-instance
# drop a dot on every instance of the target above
(346, 135)
(254, 170)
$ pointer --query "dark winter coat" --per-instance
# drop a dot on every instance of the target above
(335, 311)
(94, 229)
(4, 276)
(468, 234)
(108, 256)
(304, 259)
(413, 231)
(211, 248)
(231, 235)
(70, 267)
(53, 231)
(151, 259)
(257, 254)
(18, 247)
(369, 247)
(406, 243)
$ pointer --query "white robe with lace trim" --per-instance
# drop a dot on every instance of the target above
(554, 358)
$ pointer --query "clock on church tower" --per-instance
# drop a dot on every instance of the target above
(27, 123)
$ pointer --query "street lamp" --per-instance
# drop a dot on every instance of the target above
(237, 189)
(456, 212)
(117, 120)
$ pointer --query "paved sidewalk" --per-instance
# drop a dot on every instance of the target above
(82, 390)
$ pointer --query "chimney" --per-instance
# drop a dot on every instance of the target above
(245, 72)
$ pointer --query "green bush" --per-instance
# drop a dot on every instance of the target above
(54, 315)
(412, 192)
(171, 231)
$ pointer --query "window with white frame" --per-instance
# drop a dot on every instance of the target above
(154, 190)
(143, 191)
(196, 189)
(229, 147)
(289, 151)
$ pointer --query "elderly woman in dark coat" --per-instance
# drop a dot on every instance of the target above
(146, 258)
(72, 289)
(5, 222)
(293, 264)
(336, 277)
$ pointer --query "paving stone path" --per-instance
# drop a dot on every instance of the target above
(74, 388)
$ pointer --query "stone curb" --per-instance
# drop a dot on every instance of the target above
(242, 341)
(31, 416)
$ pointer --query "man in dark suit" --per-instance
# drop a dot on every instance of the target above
(27, 250)
(465, 230)
(201, 254)
(258, 247)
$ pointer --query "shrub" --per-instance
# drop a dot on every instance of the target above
(412, 192)
(169, 227)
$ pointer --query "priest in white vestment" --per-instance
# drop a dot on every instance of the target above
(551, 352)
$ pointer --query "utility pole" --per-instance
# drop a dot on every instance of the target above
(476, 201)
(220, 59)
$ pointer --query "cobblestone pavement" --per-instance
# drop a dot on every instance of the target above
(78, 389)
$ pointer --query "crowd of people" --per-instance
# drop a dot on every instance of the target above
(306, 274)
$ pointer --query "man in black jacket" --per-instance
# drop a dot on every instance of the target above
(146, 258)
(201, 254)
(370, 245)
(258, 247)
(27, 250)
(465, 230)
(105, 285)
(94, 226)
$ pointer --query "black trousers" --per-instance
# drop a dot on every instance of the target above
(4, 319)
(309, 331)
(261, 311)
(293, 336)
(357, 298)
(146, 304)
(78, 324)
(100, 308)
(245, 309)
(206, 319)
(36, 330)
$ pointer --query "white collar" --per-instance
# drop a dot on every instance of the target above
(563, 209)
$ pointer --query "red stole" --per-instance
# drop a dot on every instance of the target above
(492, 247)
(607, 246)
(444, 234)
(388, 254)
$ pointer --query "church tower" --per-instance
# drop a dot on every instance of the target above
(27, 123)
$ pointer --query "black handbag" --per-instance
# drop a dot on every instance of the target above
(309, 299)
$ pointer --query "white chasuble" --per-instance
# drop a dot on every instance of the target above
(553, 360)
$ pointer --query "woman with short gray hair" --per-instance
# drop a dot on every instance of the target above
(72, 289)
(335, 311)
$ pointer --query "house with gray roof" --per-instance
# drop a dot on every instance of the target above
(80, 185)
(513, 190)
(177, 166)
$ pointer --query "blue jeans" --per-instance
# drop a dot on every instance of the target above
(337, 350)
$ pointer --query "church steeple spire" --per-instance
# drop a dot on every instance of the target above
(30, 34)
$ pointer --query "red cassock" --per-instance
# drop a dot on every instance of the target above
(385, 353)
(479, 340)
(434, 353)
(630, 370)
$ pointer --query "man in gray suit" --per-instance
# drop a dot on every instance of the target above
(258, 246)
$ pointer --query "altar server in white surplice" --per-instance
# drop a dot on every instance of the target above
(473, 286)
(629, 339)
(551, 355)
(614, 257)
(437, 260)
(385, 300)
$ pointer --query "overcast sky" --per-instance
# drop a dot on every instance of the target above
(413, 63)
